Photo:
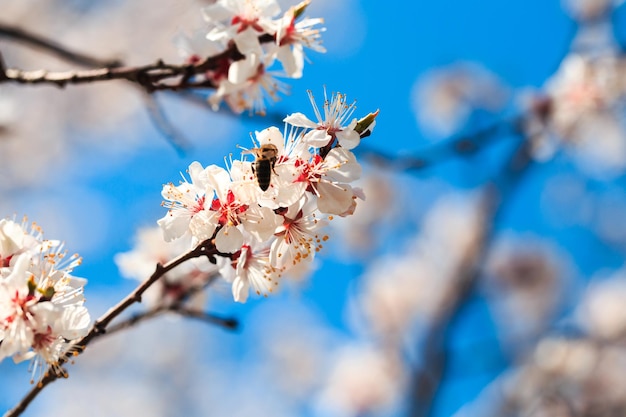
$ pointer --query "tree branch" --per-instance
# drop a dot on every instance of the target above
(151, 77)
(228, 323)
(39, 42)
(180, 309)
(465, 144)
(99, 328)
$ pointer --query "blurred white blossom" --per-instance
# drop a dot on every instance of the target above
(584, 10)
(602, 311)
(363, 380)
(527, 283)
(149, 250)
(582, 111)
(444, 99)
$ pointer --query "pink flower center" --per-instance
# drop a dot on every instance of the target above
(20, 306)
(244, 23)
(289, 32)
(229, 210)
(199, 205)
(42, 340)
(4, 262)
(308, 170)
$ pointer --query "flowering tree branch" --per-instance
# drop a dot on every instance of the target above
(99, 328)
(151, 77)
(258, 242)
(234, 58)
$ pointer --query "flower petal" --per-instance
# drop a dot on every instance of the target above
(300, 120)
(348, 138)
(334, 198)
(229, 239)
(241, 288)
(317, 138)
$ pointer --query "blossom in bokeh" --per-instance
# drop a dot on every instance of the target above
(580, 110)
(444, 100)
(602, 311)
(182, 284)
(363, 380)
(589, 9)
(526, 283)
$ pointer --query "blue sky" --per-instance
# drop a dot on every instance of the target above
(376, 53)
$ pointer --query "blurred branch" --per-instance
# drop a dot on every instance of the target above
(99, 328)
(465, 144)
(427, 379)
(165, 126)
(179, 308)
(39, 42)
(2, 68)
(228, 323)
(149, 77)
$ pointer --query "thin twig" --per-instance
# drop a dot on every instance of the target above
(3, 68)
(136, 319)
(99, 328)
(179, 308)
(210, 318)
(39, 42)
(229, 323)
(165, 126)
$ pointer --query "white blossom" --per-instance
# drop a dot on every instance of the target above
(292, 37)
(184, 202)
(259, 234)
(298, 237)
(334, 124)
(252, 269)
(41, 303)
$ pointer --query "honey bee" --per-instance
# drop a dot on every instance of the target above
(263, 166)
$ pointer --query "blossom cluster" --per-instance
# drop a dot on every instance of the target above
(582, 110)
(41, 303)
(583, 365)
(261, 36)
(265, 217)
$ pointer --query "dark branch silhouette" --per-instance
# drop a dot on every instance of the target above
(228, 323)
